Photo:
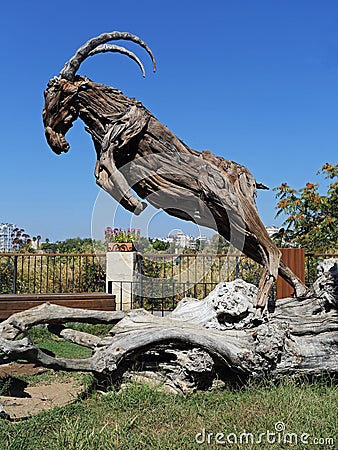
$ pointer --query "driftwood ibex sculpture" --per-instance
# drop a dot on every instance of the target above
(135, 150)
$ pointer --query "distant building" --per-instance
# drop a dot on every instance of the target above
(271, 229)
(6, 236)
(203, 239)
(184, 240)
(178, 239)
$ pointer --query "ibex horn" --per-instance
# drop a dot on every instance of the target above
(93, 46)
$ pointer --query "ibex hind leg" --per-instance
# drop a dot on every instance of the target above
(268, 277)
(265, 285)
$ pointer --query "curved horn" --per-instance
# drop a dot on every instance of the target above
(117, 49)
(70, 68)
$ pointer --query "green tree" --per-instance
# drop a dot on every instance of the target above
(220, 244)
(311, 218)
(144, 245)
(159, 245)
(75, 245)
(72, 245)
(49, 247)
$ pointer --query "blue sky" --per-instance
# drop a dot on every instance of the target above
(252, 81)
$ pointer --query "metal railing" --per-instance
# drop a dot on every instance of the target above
(198, 268)
(33, 273)
(158, 296)
(203, 268)
(162, 280)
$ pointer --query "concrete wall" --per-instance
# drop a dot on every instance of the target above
(121, 267)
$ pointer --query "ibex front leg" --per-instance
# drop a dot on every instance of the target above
(269, 276)
(301, 290)
(112, 181)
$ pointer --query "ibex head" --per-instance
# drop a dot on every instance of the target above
(62, 94)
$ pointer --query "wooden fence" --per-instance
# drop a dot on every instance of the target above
(295, 259)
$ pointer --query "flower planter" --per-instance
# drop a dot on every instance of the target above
(120, 247)
(119, 240)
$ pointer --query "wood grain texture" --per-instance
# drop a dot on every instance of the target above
(298, 337)
(135, 150)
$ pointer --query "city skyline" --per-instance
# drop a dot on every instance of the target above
(174, 236)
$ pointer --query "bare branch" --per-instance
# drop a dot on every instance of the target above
(75, 336)
(49, 313)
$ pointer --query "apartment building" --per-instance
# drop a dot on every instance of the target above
(6, 239)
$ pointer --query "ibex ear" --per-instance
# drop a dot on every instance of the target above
(68, 87)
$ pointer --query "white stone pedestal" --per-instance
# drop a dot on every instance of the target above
(121, 274)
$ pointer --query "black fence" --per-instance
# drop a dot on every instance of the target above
(30, 273)
(160, 282)
(51, 273)
(198, 268)
(156, 295)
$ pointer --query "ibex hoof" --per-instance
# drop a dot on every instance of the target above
(262, 314)
(139, 208)
(303, 293)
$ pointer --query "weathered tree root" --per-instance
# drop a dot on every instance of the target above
(198, 342)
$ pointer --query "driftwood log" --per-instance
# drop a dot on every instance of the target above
(199, 343)
(135, 150)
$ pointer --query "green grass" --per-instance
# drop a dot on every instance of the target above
(147, 418)
(61, 348)
(141, 417)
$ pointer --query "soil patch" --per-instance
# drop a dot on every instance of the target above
(40, 398)
(16, 369)
(23, 400)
